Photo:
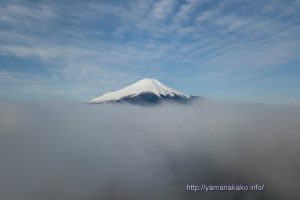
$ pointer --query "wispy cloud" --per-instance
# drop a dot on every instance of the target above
(163, 8)
(18, 13)
(196, 40)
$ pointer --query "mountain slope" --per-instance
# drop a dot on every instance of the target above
(145, 91)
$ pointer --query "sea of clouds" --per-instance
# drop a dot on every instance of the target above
(74, 151)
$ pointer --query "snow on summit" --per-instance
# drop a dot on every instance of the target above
(148, 86)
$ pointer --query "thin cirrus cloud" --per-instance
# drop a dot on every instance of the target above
(95, 46)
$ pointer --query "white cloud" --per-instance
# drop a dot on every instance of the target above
(186, 10)
(144, 37)
(163, 8)
(19, 13)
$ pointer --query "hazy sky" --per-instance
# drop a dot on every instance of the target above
(228, 50)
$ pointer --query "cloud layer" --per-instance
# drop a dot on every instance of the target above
(71, 151)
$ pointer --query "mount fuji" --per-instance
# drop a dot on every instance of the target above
(144, 92)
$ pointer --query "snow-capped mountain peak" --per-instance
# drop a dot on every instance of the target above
(144, 86)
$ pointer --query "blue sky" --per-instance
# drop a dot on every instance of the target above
(226, 50)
